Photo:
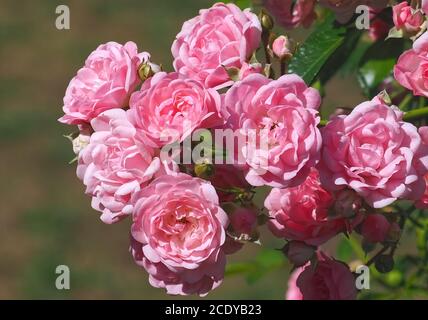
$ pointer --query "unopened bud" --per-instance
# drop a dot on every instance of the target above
(244, 221)
(384, 263)
(147, 70)
(266, 21)
(204, 170)
(299, 253)
(283, 48)
(384, 96)
(80, 142)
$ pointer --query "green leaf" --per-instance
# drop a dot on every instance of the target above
(377, 65)
(243, 4)
(344, 250)
(344, 59)
(266, 261)
(239, 268)
(270, 259)
(317, 49)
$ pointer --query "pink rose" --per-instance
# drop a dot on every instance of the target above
(375, 228)
(406, 18)
(115, 165)
(345, 9)
(375, 153)
(105, 82)
(290, 14)
(222, 36)
(327, 280)
(411, 70)
(293, 292)
(179, 230)
(278, 120)
(422, 202)
(302, 213)
(425, 6)
(169, 107)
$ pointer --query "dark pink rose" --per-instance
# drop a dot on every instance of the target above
(302, 213)
(329, 279)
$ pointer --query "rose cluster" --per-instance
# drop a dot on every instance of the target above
(186, 217)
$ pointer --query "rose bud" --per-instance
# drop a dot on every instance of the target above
(298, 252)
(375, 228)
(283, 48)
(407, 19)
(243, 221)
(148, 69)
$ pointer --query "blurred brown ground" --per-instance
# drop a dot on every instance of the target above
(45, 219)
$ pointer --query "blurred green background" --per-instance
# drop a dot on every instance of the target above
(45, 218)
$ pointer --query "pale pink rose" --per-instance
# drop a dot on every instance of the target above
(170, 106)
(345, 9)
(293, 292)
(425, 6)
(106, 81)
(422, 202)
(302, 213)
(375, 228)
(115, 165)
(221, 36)
(243, 221)
(423, 131)
(290, 14)
(229, 178)
(411, 70)
(406, 18)
(329, 279)
(179, 230)
(278, 120)
(375, 153)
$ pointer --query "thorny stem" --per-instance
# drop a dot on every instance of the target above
(283, 68)
(265, 37)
